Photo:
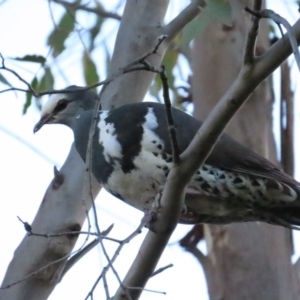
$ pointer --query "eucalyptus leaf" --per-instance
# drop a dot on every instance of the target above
(61, 32)
(47, 80)
(3, 80)
(89, 69)
(215, 10)
(32, 58)
(34, 84)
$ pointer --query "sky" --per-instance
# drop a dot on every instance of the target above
(26, 174)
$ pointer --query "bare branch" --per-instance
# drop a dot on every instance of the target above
(287, 120)
(252, 35)
(160, 270)
(144, 221)
(171, 123)
(129, 68)
(270, 14)
(136, 65)
(75, 258)
(3, 67)
(166, 218)
(144, 24)
(105, 285)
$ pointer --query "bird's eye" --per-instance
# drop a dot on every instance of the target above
(61, 105)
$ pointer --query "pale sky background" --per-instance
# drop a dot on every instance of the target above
(25, 175)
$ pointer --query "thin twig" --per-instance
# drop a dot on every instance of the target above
(105, 285)
(171, 123)
(144, 221)
(252, 35)
(146, 290)
(81, 253)
(160, 270)
(98, 10)
(75, 258)
(140, 62)
(3, 67)
(270, 14)
(32, 274)
(136, 65)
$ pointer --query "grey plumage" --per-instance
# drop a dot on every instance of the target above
(132, 158)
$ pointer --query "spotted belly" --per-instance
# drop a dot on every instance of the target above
(140, 187)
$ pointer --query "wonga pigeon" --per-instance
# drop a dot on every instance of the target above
(132, 157)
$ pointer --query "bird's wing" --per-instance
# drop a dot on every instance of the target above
(227, 154)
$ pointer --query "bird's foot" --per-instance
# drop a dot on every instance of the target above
(156, 205)
(149, 217)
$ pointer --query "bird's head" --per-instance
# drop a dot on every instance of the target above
(66, 107)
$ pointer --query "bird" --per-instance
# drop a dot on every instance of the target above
(132, 157)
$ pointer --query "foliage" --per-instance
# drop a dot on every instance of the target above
(64, 31)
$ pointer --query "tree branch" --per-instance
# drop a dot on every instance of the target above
(287, 120)
(267, 13)
(252, 35)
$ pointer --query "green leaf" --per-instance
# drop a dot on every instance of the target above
(219, 10)
(47, 81)
(3, 80)
(34, 84)
(89, 69)
(32, 58)
(61, 32)
(194, 29)
(95, 30)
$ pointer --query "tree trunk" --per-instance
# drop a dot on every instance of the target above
(251, 260)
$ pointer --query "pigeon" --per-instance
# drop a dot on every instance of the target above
(132, 156)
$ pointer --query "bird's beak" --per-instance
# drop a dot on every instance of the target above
(44, 120)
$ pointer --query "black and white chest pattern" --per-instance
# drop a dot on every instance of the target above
(132, 158)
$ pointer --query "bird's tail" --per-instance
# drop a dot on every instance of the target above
(286, 215)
